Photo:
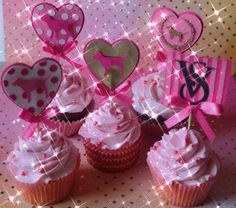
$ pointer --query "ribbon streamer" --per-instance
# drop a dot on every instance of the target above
(67, 49)
(199, 111)
(34, 121)
(106, 92)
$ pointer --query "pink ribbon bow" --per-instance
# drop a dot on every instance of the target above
(199, 111)
(44, 117)
(62, 54)
(106, 92)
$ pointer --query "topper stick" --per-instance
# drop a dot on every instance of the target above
(189, 121)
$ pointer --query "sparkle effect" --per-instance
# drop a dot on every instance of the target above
(24, 51)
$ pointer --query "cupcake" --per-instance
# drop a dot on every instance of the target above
(75, 101)
(184, 168)
(147, 95)
(44, 166)
(112, 137)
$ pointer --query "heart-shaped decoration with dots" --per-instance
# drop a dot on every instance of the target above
(111, 64)
(57, 27)
(176, 32)
(32, 88)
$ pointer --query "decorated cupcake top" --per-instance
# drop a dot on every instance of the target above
(43, 158)
(183, 156)
(147, 96)
(74, 95)
(111, 126)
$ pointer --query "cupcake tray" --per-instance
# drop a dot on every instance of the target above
(133, 188)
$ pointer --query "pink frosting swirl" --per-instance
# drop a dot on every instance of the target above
(183, 156)
(111, 126)
(147, 96)
(74, 95)
(44, 157)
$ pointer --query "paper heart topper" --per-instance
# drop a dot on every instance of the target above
(57, 27)
(32, 88)
(111, 63)
(176, 32)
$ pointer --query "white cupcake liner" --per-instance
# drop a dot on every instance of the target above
(68, 128)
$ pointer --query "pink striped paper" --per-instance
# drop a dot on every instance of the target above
(217, 80)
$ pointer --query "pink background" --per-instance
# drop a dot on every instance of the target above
(122, 20)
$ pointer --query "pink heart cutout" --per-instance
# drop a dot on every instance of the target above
(57, 26)
(176, 32)
(32, 88)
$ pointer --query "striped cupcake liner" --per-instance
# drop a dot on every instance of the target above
(112, 160)
(178, 194)
(68, 128)
(51, 193)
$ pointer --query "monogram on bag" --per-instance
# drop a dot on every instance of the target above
(196, 79)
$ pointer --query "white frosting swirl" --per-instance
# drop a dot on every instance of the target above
(111, 127)
(42, 158)
(74, 94)
(183, 156)
(147, 96)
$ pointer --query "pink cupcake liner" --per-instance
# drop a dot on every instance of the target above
(178, 194)
(184, 196)
(112, 160)
(51, 193)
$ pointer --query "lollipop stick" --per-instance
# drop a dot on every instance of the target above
(189, 121)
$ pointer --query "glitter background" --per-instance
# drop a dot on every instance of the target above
(113, 19)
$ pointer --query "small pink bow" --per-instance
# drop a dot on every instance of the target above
(34, 121)
(106, 92)
(199, 111)
(62, 54)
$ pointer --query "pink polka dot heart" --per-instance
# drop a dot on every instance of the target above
(32, 88)
(57, 26)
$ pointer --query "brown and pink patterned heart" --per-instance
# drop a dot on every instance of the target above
(111, 63)
(32, 88)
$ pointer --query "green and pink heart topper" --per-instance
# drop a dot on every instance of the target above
(111, 65)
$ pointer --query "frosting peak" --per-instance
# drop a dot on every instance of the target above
(74, 95)
(111, 126)
(46, 156)
(147, 96)
(183, 156)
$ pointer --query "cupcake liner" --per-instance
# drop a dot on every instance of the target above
(112, 160)
(51, 193)
(68, 128)
(181, 195)
(184, 196)
(71, 128)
